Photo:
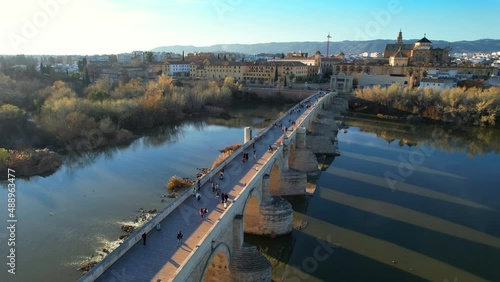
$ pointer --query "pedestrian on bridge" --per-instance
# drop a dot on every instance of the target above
(179, 238)
(144, 237)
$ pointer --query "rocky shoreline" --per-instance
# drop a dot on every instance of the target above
(127, 229)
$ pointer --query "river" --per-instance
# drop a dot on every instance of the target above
(401, 203)
(63, 219)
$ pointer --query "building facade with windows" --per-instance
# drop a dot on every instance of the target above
(176, 68)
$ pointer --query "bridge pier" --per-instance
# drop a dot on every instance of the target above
(301, 138)
(256, 208)
(273, 216)
(294, 182)
(277, 217)
(247, 264)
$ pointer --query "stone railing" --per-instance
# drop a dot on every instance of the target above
(136, 236)
(205, 244)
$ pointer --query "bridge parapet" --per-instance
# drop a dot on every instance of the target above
(205, 244)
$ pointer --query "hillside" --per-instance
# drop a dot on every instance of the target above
(348, 47)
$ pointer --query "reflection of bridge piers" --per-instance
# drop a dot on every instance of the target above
(213, 248)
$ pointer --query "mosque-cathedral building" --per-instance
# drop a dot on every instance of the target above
(420, 53)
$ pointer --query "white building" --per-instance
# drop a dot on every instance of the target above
(442, 74)
(176, 68)
(440, 83)
(124, 57)
(159, 56)
(139, 55)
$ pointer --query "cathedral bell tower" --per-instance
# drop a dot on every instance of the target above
(400, 38)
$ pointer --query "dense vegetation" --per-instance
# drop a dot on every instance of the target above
(103, 108)
(36, 111)
(472, 106)
(29, 162)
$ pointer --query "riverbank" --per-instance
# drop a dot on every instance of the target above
(29, 162)
(460, 106)
(101, 136)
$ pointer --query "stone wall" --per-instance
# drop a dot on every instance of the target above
(304, 161)
(293, 182)
(276, 217)
(247, 264)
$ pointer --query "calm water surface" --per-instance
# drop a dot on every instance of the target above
(401, 203)
(64, 218)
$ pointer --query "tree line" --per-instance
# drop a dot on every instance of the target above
(473, 106)
(70, 113)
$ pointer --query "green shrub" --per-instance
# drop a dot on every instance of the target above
(4, 154)
(11, 112)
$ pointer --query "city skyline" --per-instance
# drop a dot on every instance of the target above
(68, 27)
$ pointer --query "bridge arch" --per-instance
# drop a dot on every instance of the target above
(275, 180)
(251, 212)
(217, 266)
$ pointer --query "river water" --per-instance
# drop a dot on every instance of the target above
(64, 218)
(401, 203)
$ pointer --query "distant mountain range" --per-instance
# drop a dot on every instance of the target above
(348, 47)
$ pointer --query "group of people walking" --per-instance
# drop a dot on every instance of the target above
(203, 211)
(216, 186)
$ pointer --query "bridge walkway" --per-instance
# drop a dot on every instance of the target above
(161, 256)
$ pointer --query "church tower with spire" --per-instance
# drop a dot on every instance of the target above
(399, 41)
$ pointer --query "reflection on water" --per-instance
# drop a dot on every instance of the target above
(160, 136)
(451, 139)
(401, 203)
(65, 217)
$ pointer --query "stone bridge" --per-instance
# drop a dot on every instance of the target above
(213, 248)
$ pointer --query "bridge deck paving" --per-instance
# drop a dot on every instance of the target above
(161, 256)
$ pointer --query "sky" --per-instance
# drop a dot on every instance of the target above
(88, 27)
